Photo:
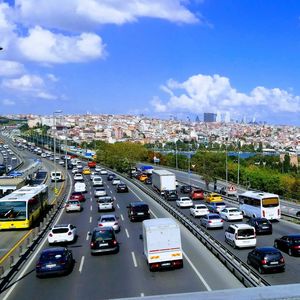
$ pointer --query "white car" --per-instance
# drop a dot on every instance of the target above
(97, 181)
(184, 202)
(98, 192)
(116, 181)
(43, 155)
(74, 170)
(94, 174)
(97, 169)
(199, 210)
(78, 177)
(231, 214)
(64, 233)
(109, 221)
(240, 236)
(103, 172)
(72, 205)
(105, 203)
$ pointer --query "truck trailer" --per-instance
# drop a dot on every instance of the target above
(163, 180)
(162, 244)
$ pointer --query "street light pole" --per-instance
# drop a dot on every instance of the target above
(189, 166)
(226, 166)
(54, 160)
(238, 174)
(176, 158)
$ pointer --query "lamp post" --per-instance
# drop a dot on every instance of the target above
(189, 164)
(226, 160)
(176, 158)
(54, 150)
(238, 173)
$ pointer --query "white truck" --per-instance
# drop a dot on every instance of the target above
(80, 187)
(56, 176)
(162, 244)
(163, 180)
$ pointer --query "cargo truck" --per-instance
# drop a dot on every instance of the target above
(163, 180)
(162, 244)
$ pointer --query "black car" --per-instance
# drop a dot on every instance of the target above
(266, 259)
(185, 189)
(110, 177)
(122, 188)
(148, 180)
(103, 240)
(54, 261)
(289, 243)
(138, 211)
(261, 225)
(171, 195)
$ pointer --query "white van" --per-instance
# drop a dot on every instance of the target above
(240, 235)
(80, 187)
(56, 176)
(97, 181)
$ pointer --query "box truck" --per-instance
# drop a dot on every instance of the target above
(162, 244)
(163, 180)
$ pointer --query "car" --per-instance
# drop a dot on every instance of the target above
(97, 181)
(44, 155)
(91, 164)
(62, 233)
(197, 194)
(74, 171)
(77, 196)
(231, 214)
(298, 214)
(103, 240)
(78, 177)
(105, 203)
(109, 221)
(289, 243)
(148, 180)
(185, 189)
(266, 259)
(142, 177)
(184, 202)
(94, 174)
(138, 211)
(54, 261)
(98, 192)
(216, 207)
(116, 181)
(61, 162)
(261, 225)
(103, 172)
(110, 177)
(171, 195)
(229, 191)
(86, 171)
(199, 210)
(213, 197)
(122, 188)
(212, 221)
(72, 205)
(240, 236)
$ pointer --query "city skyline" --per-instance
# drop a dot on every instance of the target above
(157, 58)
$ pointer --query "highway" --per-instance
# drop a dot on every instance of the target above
(125, 274)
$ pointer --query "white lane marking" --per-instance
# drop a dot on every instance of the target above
(91, 207)
(87, 236)
(142, 295)
(81, 264)
(189, 261)
(91, 218)
(91, 199)
(118, 206)
(111, 192)
(122, 217)
(25, 270)
(127, 233)
(134, 259)
(90, 192)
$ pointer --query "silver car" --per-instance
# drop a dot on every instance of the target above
(212, 221)
(72, 205)
(98, 192)
(109, 221)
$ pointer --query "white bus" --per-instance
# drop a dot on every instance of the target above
(260, 205)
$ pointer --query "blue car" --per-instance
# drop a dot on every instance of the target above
(54, 261)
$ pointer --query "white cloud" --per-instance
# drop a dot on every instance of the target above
(42, 45)
(52, 77)
(88, 14)
(10, 68)
(8, 102)
(201, 93)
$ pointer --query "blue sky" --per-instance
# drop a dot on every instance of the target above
(152, 57)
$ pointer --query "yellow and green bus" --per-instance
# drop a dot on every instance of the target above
(23, 207)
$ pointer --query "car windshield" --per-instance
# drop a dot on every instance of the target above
(296, 241)
(60, 230)
(12, 210)
(233, 210)
(214, 217)
(102, 235)
(52, 255)
(107, 219)
(73, 202)
(220, 204)
(262, 222)
(272, 256)
(246, 232)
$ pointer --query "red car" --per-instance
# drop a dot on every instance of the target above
(197, 195)
(77, 196)
(91, 164)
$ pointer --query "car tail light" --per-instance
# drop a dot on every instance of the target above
(222, 221)
(281, 260)
(209, 222)
(100, 224)
(50, 234)
(67, 205)
(264, 262)
(38, 265)
(92, 244)
(296, 247)
(264, 214)
(78, 205)
(70, 232)
(115, 242)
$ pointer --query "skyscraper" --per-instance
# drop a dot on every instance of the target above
(210, 117)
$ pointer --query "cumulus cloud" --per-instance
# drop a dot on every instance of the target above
(83, 14)
(42, 45)
(11, 68)
(8, 102)
(201, 93)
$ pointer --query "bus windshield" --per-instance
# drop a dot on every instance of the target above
(270, 202)
(12, 210)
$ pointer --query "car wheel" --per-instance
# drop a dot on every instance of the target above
(234, 245)
(290, 252)
(260, 270)
(248, 262)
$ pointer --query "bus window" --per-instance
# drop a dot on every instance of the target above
(270, 202)
(10, 211)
